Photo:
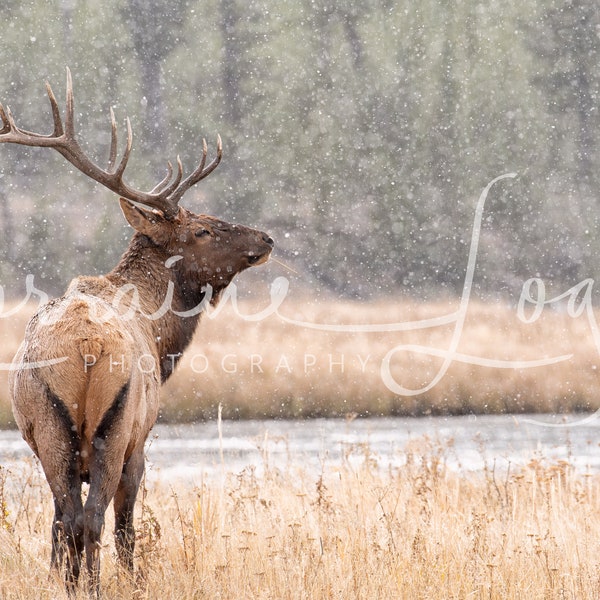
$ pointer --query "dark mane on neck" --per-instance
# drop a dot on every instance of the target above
(144, 265)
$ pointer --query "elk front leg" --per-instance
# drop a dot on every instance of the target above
(124, 504)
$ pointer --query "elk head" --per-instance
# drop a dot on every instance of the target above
(203, 250)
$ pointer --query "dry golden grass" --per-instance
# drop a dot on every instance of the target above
(349, 532)
(270, 368)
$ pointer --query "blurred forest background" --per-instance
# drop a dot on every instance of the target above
(359, 134)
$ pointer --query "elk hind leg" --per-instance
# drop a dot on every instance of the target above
(105, 468)
(103, 486)
(124, 504)
(56, 444)
(67, 541)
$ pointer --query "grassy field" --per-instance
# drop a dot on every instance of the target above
(269, 367)
(348, 532)
(354, 531)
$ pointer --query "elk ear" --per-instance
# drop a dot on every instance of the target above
(150, 222)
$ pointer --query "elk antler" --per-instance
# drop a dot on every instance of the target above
(165, 196)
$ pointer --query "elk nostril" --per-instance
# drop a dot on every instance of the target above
(268, 240)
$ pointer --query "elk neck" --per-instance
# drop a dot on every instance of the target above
(144, 266)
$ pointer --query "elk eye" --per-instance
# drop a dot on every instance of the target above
(202, 233)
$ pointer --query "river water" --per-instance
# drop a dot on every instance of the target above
(193, 453)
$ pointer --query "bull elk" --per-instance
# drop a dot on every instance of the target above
(85, 381)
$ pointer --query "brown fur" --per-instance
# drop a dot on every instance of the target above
(88, 415)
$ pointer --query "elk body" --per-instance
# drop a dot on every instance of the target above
(85, 381)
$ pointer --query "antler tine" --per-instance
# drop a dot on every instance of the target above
(10, 131)
(5, 121)
(11, 126)
(163, 182)
(200, 172)
(69, 120)
(125, 158)
(164, 188)
(58, 126)
(215, 162)
(112, 157)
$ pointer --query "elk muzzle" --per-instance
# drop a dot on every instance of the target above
(261, 255)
